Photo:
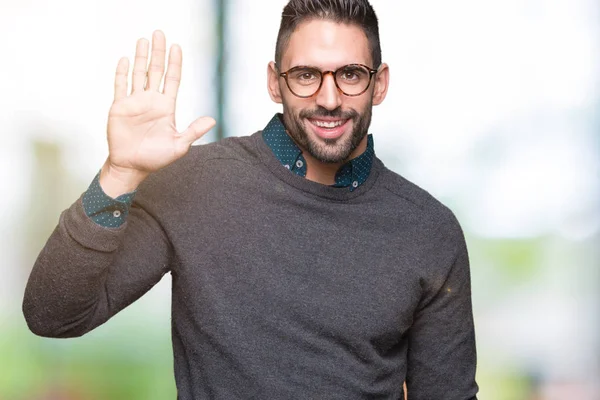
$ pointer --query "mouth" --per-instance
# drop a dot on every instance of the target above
(328, 128)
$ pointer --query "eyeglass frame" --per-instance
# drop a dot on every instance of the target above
(284, 75)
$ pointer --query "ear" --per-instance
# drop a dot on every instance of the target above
(273, 83)
(382, 81)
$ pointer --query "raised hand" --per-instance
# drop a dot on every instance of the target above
(142, 136)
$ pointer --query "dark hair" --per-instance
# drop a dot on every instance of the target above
(353, 12)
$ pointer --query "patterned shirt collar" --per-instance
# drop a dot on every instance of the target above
(351, 175)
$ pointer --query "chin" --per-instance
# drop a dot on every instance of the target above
(330, 151)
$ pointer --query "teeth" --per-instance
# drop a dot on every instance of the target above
(323, 124)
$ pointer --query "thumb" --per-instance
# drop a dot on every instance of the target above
(196, 130)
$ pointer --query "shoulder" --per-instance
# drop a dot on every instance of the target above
(419, 206)
(428, 227)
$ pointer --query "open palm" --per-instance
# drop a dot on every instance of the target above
(142, 136)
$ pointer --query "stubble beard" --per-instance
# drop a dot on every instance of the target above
(328, 150)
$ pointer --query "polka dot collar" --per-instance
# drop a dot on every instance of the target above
(351, 175)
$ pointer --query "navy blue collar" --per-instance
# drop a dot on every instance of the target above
(352, 174)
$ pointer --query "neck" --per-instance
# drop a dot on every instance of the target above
(324, 173)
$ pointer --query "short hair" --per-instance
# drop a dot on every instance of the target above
(352, 12)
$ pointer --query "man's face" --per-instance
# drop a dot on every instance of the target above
(329, 125)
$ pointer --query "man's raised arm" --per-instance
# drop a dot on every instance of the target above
(95, 263)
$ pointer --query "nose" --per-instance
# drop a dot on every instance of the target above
(329, 96)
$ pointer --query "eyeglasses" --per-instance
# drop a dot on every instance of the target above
(351, 80)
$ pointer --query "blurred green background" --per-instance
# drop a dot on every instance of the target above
(493, 108)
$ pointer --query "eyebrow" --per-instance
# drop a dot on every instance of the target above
(319, 69)
(305, 66)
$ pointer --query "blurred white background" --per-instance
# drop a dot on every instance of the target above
(494, 107)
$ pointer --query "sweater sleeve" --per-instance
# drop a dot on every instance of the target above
(441, 352)
(86, 273)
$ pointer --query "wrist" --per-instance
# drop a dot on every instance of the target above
(116, 181)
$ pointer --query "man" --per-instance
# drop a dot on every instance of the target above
(302, 268)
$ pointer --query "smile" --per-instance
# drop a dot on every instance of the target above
(329, 129)
(327, 124)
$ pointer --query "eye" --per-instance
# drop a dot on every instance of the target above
(307, 76)
(350, 76)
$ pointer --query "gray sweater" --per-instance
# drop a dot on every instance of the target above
(283, 288)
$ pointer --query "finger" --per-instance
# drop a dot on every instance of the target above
(195, 131)
(139, 65)
(156, 69)
(173, 76)
(121, 78)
